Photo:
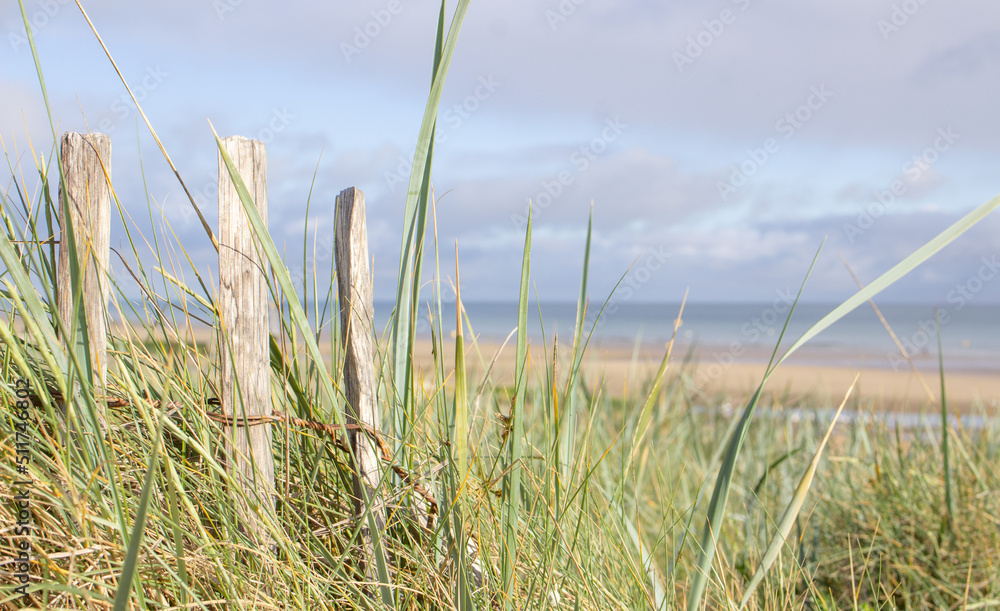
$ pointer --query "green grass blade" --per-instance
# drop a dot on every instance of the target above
(658, 599)
(453, 521)
(76, 336)
(720, 495)
(581, 302)
(35, 313)
(896, 272)
(135, 540)
(794, 507)
(38, 69)
(723, 483)
(460, 466)
(30, 297)
(175, 523)
(564, 424)
(949, 501)
(142, 113)
(515, 434)
(460, 438)
(460, 458)
(415, 218)
(410, 265)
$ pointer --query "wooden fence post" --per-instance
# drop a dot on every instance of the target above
(243, 312)
(86, 165)
(357, 327)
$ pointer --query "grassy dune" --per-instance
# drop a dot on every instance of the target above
(546, 490)
(615, 528)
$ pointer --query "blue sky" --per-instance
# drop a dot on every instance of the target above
(720, 143)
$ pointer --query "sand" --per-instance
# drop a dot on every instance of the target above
(815, 377)
(708, 379)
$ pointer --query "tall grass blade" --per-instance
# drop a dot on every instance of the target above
(949, 501)
(794, 507)
(135, 540)
(149, 125)
(565, 434)
(659, 596)
(460, 438)
(723, 483)
(460, 457)
(10, 257)
(720, 494)
(403, 325)
(80, 347)
(885, 323)
(73, 360)
(515, 434)
(38, 69)
(34, 312)
(175, 524)
(896, 272)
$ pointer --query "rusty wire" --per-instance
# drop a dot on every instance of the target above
(276, 416)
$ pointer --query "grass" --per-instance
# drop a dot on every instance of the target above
(550, 493)
(872, 533)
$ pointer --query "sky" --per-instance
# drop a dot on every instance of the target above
(719, 145)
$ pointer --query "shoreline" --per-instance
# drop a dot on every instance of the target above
(715, 374)
(622, 370)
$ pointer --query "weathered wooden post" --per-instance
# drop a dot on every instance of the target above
(243, 312)
(86, 165)
(356, 319)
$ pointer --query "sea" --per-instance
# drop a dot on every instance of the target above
(969, 333)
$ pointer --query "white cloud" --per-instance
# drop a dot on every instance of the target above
(655, 184)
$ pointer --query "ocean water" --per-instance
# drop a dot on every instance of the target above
(970, 335)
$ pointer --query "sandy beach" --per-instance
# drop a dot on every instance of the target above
(622, 370)
(815, 375)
